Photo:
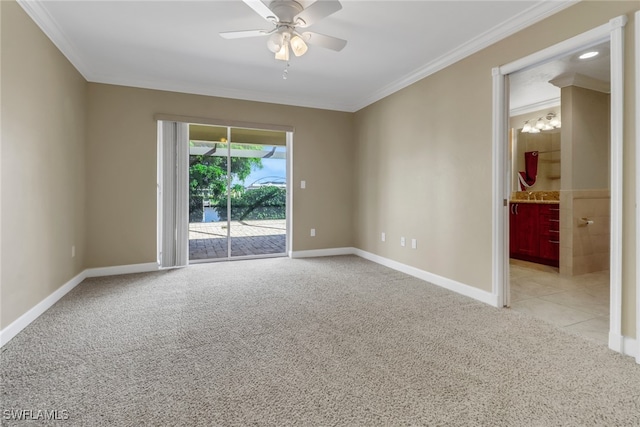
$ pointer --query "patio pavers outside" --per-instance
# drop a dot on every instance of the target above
(253, 237)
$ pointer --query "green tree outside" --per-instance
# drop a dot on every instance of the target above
(208, 177)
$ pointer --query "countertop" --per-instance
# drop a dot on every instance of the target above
(540, 202)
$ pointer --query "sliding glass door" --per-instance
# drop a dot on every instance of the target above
(237, 189)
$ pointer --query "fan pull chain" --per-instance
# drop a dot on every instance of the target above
(285, 73)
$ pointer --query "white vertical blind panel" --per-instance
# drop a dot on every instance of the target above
(174, 194)
(182, 194)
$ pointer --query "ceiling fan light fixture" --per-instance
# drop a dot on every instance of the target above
(298, 46)
(275, 42)
(283, 54)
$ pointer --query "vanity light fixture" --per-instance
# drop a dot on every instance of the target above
(555, 121)
(548, 122)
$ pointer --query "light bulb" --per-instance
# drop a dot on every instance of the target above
(588, 55)
(526, 128)
(555, 122)
(275, 42)
(298, 46)
(534, 130)
(540, 123)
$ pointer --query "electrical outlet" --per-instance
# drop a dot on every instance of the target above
(414, 243)
(73, 251)
(313, 232)
(383, 237)
(303, 184)
(403, 242)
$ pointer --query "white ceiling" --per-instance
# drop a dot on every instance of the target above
(175, 46)
(531, 90)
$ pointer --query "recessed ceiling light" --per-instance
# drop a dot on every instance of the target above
(588, 55)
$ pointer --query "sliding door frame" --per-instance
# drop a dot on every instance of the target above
(289, 130)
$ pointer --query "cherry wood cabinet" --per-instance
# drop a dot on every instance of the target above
(524, 229)
(534, 232)
(550, 234)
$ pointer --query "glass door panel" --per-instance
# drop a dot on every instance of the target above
(258, 192)
(208, 191)
(237, 192)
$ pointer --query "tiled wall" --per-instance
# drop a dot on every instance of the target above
(584, 248)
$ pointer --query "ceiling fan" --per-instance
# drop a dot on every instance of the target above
(287, 17)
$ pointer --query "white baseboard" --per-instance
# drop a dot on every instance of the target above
(624, 345)
(452, 285)
(122, 269)
(322, 252)
(23, 321)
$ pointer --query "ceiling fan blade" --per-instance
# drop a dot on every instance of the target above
(243, 34)
(318, 10)
(262, 10)
(321, 40)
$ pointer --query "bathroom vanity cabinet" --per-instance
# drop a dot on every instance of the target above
(534, 232)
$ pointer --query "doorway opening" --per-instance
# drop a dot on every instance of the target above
(559, 218)
(237, 193)
(575, 186)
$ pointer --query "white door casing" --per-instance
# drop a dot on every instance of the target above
(613, 31)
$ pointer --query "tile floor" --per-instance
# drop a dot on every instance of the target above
(579, 304)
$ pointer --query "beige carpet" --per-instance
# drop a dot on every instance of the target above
(330, 341)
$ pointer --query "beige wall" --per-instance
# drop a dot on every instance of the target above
(121, 168)
(43, 113)
(585, 248)
(424, 172)
(585, 139)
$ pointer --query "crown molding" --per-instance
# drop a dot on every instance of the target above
(534, 14)
(50, 28)
(537, 106)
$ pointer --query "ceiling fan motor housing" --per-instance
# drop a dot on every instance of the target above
(286, 10)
